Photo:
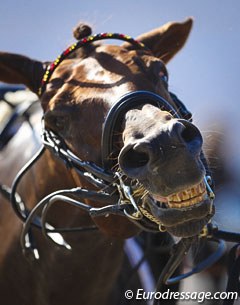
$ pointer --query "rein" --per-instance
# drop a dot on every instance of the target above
(110, 184)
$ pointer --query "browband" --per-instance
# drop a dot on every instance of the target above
(81, 43)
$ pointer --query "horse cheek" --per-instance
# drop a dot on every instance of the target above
(116, 226)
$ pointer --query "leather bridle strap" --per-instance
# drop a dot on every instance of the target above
(115, 118)
(83, 43)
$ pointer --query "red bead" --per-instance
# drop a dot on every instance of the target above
(66, 52)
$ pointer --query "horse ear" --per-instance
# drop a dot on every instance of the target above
(18, 69)
(167, 40)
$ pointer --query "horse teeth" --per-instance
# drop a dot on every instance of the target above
(178, 198)
(174, 198)
(185, 195)
(188, 197)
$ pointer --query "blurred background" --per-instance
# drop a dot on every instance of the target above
(204, 75)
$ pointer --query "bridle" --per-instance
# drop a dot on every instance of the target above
(110, 184)
(116, 115)
(101, 177)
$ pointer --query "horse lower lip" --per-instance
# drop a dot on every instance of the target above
(190, 228)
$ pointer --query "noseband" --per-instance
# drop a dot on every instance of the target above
(116, 114)
(112, 189)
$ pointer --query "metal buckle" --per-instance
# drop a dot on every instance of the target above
(126, 196)
(208, 181)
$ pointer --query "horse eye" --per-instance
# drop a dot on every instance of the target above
(164, 77)
(60, 122)
(57, 123)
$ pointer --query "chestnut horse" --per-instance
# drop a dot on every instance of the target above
(158, 151)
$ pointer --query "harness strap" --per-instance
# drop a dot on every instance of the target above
(233, 284)
(115, 117)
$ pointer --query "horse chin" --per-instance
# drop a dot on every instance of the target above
(189, 228)
(183, 214)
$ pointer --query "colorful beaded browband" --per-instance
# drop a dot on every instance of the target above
(83, 42)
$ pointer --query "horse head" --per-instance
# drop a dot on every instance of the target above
(156, 149)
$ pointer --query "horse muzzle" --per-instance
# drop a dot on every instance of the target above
(183, 218)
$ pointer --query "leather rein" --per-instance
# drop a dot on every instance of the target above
(111, 187)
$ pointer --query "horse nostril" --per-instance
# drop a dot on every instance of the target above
(133, 159)
(191, 135)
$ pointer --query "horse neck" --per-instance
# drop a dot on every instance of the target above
(67, 272)
(48, 175)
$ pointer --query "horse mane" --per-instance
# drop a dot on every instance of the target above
(81, 31)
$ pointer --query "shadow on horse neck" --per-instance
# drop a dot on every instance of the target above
(156, 151)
